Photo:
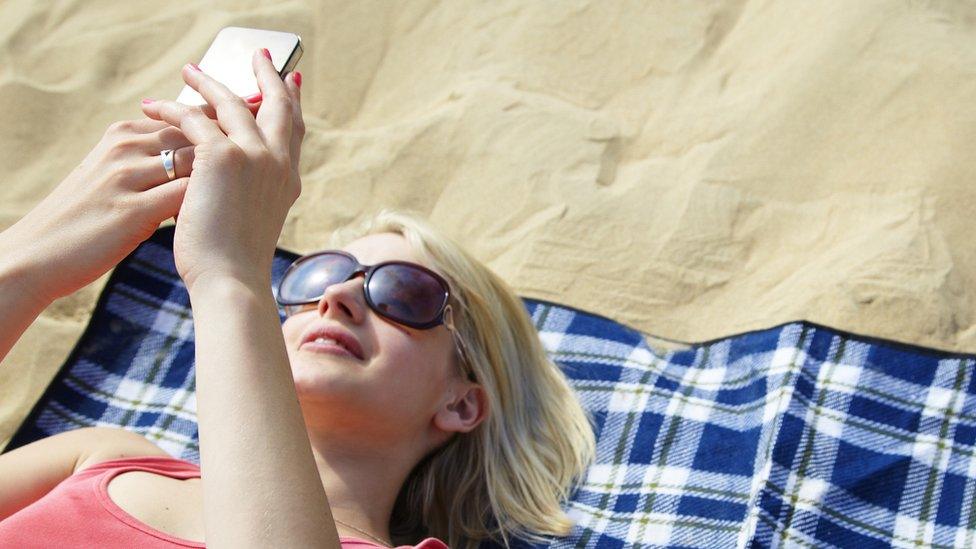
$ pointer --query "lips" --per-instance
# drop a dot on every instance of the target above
(341, 336)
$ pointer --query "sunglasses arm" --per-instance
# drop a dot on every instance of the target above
(449, 324)
(449, 318)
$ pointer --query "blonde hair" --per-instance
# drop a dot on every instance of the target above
(508, 476)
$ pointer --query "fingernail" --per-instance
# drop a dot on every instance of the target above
(194, 67)
(253, 98)
(147, 101)
(266, 52)
(297, 77)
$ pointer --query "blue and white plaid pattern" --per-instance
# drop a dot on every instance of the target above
(798, 435)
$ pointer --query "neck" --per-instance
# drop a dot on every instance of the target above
(362, 484)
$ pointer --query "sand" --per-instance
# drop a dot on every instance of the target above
(693, 170)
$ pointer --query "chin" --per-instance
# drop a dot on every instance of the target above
(319, 380)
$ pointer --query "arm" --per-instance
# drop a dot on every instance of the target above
(20, 299)
(261, 486)
(28, 473)
(93, 219)
(260, 482)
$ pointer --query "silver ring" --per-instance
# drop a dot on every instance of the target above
(168, 163)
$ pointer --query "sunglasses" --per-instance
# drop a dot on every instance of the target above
(404, 292)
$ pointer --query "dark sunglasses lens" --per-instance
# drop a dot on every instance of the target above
(405, 293)
(309, 279)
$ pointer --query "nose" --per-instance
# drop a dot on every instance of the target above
(345, 298)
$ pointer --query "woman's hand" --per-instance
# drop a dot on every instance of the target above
(245, 175)
(109, 204)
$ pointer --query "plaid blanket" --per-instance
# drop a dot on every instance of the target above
(797, 435)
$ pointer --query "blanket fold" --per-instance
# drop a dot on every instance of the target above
(798, 434)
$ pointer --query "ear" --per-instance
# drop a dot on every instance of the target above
(464, 410)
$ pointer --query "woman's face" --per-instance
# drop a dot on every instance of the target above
(405, 376)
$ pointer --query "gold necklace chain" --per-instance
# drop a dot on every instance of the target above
(388, 544)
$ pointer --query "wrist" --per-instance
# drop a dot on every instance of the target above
(222, 286)
(22, 272)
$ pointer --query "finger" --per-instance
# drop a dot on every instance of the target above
(139, 126)
(144, 125)
(195, 125)
(182, 163)
(293, 82)
(275, 116)
(164, 200)
(233, 116)
(148, 172)
(167, 138)
(254, 108)
(252, 102)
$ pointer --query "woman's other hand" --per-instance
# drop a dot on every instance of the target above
(245, 175)
(109, 204)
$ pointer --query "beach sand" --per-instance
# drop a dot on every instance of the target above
(693, 170)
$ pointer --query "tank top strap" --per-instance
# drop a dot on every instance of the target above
(165, 465)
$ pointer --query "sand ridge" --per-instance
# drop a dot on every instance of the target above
(691, 170)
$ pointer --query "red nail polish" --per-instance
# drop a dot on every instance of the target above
(297, 77)
(253, 98)
(195, 67)
(266, 52)
(147, 101)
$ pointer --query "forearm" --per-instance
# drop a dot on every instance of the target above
(20, 299)
(260, 482)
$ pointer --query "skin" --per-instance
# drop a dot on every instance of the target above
(368, 421)
(371, 421)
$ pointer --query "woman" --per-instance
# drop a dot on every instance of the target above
(427, 408)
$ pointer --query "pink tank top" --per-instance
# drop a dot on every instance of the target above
(78, 512)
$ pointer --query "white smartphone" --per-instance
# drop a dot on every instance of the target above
(228, 60)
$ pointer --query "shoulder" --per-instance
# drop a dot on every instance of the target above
(114, 443)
